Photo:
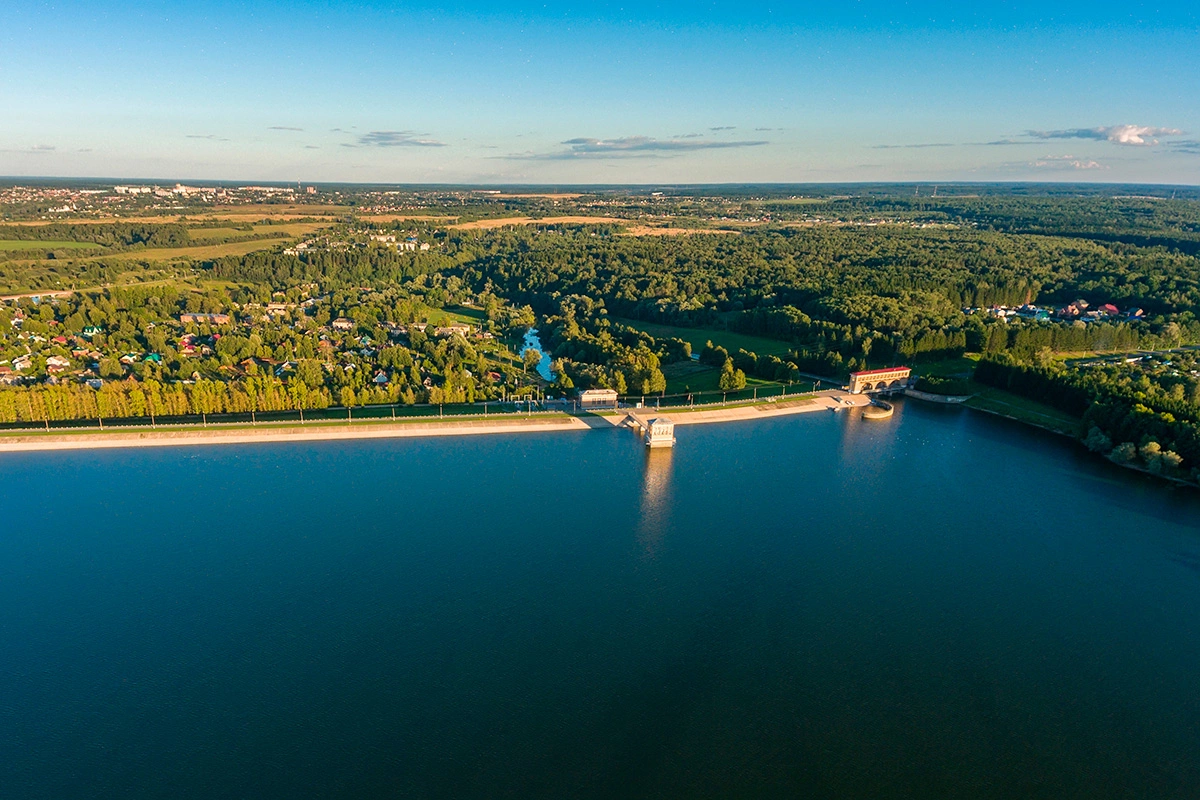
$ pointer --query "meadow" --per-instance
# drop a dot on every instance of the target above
(699, 336)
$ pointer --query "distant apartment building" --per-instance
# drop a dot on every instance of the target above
(204, 319)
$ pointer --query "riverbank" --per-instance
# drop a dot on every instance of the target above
(87, 439)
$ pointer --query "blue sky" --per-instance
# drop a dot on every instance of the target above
(514, 92)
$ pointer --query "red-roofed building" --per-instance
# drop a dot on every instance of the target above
(879, 380)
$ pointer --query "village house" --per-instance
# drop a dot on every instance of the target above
(343, 324)
(57, 364)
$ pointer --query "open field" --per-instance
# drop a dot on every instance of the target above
(488, 224)
(683, 378)
(545, 196)
(458, 314)
(631, 229)
(22, 244)
(791, 201)
(958, 367)
(646, 230)
(698, 336)
(204, 251)
(405, 218)
(280, 231)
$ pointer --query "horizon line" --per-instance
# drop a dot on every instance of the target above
(561, 186)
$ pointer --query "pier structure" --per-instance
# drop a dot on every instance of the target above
(658, 432)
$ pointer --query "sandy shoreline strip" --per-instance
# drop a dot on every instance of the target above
(315, 432)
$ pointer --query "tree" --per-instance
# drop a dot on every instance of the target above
(731, 379)
(1124, 453)
(530, 359)
(110, 368)
(1097, 441)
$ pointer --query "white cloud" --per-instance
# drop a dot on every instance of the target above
(632, 147)
(393, 139)
(1066, 162)
(1135, 135)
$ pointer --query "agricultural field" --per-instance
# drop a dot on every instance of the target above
(280, 231)
(646, 230)
(502, 222)
(201, 252)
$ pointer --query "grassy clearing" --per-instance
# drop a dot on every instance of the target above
(456, 315)
(644, 230)
(998, 401)
(279, 231)
(21, 244)
(205, 234)
(792, 201)
(959, 367)
(699, 336)
(406, 218)
(204, 251)
(691, 376)
(485, 224)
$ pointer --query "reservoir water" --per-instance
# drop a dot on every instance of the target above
(943, 605)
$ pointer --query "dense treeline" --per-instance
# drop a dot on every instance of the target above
(330, 268)
(151, 398)
(115, 234)
(1126, 414)
(852, 297)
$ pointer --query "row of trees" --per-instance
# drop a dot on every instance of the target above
(150, 398)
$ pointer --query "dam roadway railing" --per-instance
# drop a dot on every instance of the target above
(424, 412)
